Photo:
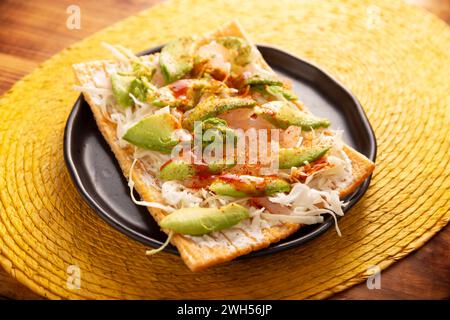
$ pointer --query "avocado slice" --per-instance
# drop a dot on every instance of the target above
(279, 90)
(297, 157)
(265, 79)
(245, 186)
(189, 91)
(276, 186)
(180, 170)
(177, 58)
(140, 69)
(241, 48)
(138, 89)
(219, 127)
(212, 107)
(226, 189)
(154, 133)
(197, 221)
(123, 85)
(121, 89)
(162, 97)
(282, 115)
(218, 167)
(176, 170)
(275, 91)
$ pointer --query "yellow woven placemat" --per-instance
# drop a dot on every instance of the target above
(393, 57)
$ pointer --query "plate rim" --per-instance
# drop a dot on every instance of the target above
(273, 248)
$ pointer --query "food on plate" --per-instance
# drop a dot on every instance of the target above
(220, 149)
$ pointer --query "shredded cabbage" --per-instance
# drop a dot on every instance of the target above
(339, 175)
(144, 203)
(307, 205)
(139, 103)
(178, 195)
(162, 247)
(120, 53)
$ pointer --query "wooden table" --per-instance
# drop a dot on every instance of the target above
(32, 31)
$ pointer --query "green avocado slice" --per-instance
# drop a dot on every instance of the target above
(198, 221)
(297, 157)
(240, 186)
(226, 189)
(275, 91)
(241, 47)
(276, 186)
(177, 58)
(282, 115)
(219, 166)
(176, 170)
(189, 91)
(279, 90)
(123, 85)
(263, 79)
(216, 127)
(121, 89)
(212, 107)
(180, 170)
(154, 133)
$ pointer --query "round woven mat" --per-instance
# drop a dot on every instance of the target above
(393, 57)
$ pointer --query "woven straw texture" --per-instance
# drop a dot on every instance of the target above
(393, 57)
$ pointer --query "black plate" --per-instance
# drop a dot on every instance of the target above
(99, 178)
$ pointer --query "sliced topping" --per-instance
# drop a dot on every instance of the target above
(264, 202)
(285, 93)
(177, 58)
(245, 119)
(222, 57)
(219, 166)
(282, 114)
(189, 91)
(181, 170)
(297, 157)
(138, 89)
(176, 170)
(121, 89)
(275, 91)
(154, 133)
(212, 60)
(127, 87)
(276, 185)
(212, 107)
(310, 169)
(240, 186)
(142, 68)
(240, 48)
(216, 130)
(263, 79)
(162, 97)
(198, 221)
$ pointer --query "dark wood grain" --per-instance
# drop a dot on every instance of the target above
(32, 31)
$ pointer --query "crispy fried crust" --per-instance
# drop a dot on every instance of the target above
(195, 256)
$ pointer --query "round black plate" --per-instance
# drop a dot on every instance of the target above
(99, 178)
